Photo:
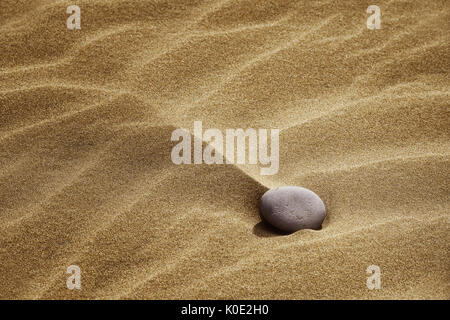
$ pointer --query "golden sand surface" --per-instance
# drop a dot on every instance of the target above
(86, 177)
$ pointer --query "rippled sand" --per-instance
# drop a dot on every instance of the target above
(86, 118)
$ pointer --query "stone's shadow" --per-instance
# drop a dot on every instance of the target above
(264, 229)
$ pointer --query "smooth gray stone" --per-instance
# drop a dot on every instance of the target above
(292, 208)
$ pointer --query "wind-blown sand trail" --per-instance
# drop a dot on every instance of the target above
(86, 177)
